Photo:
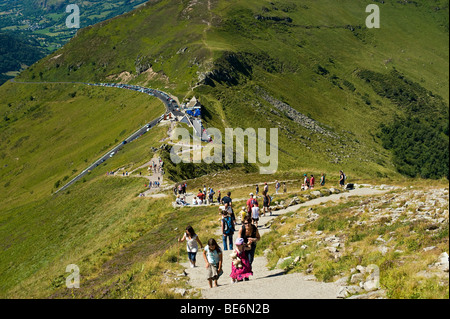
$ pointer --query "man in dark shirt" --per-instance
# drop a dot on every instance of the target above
(227, 200)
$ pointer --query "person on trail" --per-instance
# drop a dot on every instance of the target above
(257, 190)
(227, 208)
(266, 204)
(284, 188)
(194, 201)
(243, 270)
(305, 185)
(322, 180)
(211, 195)
(250, 202)
(249, 233)
(277, 187)
(180, 201)
(312, 180)
(341, 178)
(200, 196)
(213, 260)
(180, 189)
(227, 199)
(192, 242)
(266, 187)
(255, 214)
(227, 227)
(219, 198)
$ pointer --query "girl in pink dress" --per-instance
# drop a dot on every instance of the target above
(244, 269)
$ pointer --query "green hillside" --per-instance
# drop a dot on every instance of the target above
(373, 102)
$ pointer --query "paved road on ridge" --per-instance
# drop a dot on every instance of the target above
(168, 102)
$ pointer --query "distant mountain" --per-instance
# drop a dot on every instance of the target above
(42, 24)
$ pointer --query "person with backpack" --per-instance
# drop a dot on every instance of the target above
(192, 242)
(243, 269)
(277, 187)
(227, 226)
(249, 233)
(312, 180)
(255, 214)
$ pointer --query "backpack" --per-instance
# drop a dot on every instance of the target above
(228, 227)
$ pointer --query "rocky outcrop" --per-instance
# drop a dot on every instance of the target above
(295, 115)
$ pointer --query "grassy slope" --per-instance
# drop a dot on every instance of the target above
(53, 136)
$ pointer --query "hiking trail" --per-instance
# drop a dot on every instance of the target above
(265, 283)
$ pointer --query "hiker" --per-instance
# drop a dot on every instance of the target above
(266, 187)
(227, 227)
(213, 259)
(227, 208)
(249, 233)
(311, 182)
(200, 196)
(250, 202)
(241, 268)
(305, 184)
(219, 198)
(211, 195)
(257, 190)
(341, 178)
(242, 214)
(227, 199)
(284, 188)
(277, 187)
(180, 201)
(255, 214)
(322, 180)
(194, 201)
(192, 242)
(266, 204)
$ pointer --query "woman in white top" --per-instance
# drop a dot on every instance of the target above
(255, 214)
(192, 242)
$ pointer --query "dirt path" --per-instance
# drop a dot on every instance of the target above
(269, 284)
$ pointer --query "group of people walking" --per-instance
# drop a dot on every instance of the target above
(242, 252)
